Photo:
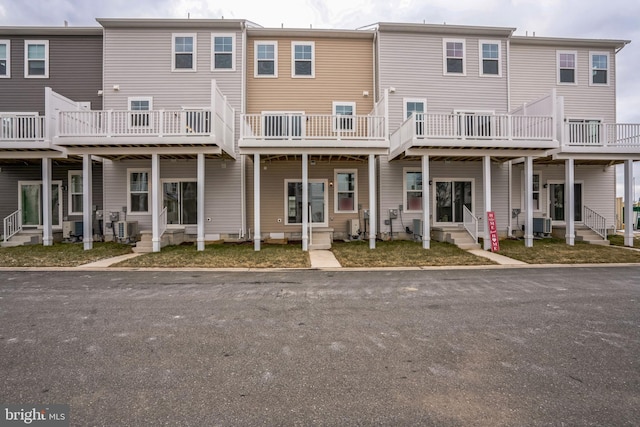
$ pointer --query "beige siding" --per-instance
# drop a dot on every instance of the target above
(139, 62)
(343, 70)
(222, 191)
(413, 64)
(534, 74)
(272, 191)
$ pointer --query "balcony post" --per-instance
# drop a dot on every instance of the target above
(87, 202)
(256, 202)
(109, 123)
(528, 202)
(305, 202)
(373, 204)
(426, 209)
(47, 232)
(628, 202)
(200, 203)
(155, 202)
(486, 177)
(569, 201)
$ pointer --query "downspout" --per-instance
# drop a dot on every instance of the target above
(375, 55)
(508, 75)
(243, 172)
(509, 164)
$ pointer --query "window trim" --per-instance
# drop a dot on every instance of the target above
(591, 68)
(405, 190)
(194, 61)
(482, 59)
(326, 201)
(575, 68)
(293, 60)
(233, 51)
(27, 43)
(257, 43)
(70, 192)
(336, 190)
(149, 190)
(336, 119)
(445, 57)
(7, 43)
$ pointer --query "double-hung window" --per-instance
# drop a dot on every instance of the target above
(344, 113)
(138, 111)
(266, 59)
(491, 58)
(184, 52)
(223, 52)
(346, 194)
(138, 190)
(5, 59)
(75, 192)
(567, 68)
(303, 55)
(36, 59)
(412, 193)
(599, 68)
(454, 57)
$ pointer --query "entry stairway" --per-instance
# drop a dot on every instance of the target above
(457, 236)
(587, 235)
(321, 238)
(23, 238)
(171, 236)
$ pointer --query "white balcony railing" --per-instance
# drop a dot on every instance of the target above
(595, 134)
(473, 127)
(21, 127)
(291, 126)
(470, 222)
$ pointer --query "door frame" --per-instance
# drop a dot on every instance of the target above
(434, 207)
(326, 201)
(60, 201)
(547, 210)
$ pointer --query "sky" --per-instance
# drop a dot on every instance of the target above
(613, 19)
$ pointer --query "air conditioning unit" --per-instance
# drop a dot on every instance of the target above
(542, 225)
(72, 229)
(127, 229)
(353, 228)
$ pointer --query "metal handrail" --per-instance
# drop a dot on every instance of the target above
(470, 222)
(163, 221)
(595, 222)
(12, 224)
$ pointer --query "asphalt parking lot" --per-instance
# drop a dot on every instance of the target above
(486, 347)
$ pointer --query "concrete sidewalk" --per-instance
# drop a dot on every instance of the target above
(108, 262)
(500, 259)
(323, 259)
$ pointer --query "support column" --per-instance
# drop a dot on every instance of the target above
(305, 202)
(569, 201)
(628, 203)
(528, 202)
(47, 227)
(256, 202)
(486, 178)
(373, 221)
(155, 202)
(200, 203)
(87, 202)
(426, 204)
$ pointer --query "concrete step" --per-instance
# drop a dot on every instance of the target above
(23, 239)
(591, 237)
(321, 241)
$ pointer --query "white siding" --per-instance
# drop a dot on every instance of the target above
(222, 190)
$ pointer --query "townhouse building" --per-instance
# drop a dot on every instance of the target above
(39, 67)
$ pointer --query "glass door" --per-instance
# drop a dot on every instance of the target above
(317, 202)
(30, 203)
(451, 198)
(556, 201)
(181, 201)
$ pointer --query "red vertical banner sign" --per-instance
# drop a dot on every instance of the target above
(493, 231)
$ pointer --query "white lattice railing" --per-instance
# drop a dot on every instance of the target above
(595, 222)
(21, 127)
(470, 222)
(12, 224)
(291, 126)
(594, 134)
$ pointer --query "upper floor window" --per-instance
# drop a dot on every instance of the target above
(303, 64)
(5, 58)
(36, 59)
(454, 56)
(266, 59)
(567, 67)
(344, 112)
(599, 68)
(491, 58)
(184, 52)
(223, 52)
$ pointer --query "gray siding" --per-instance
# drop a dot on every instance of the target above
(139, 61)
(413, 64)
(222, 190)
(14, 172)
(534, 71)
(75, 71)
